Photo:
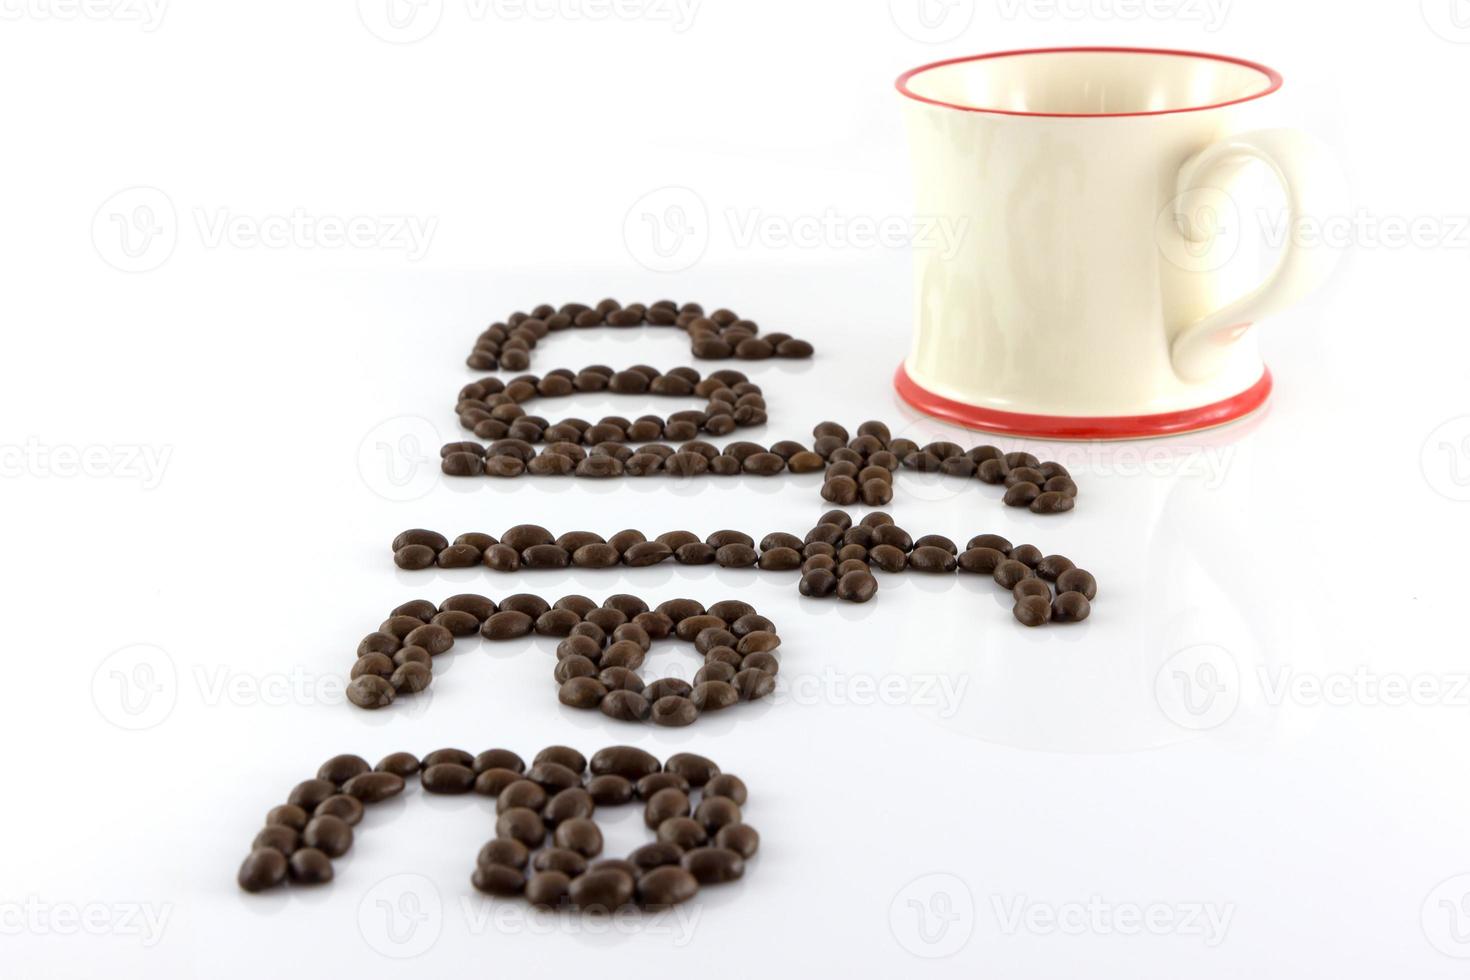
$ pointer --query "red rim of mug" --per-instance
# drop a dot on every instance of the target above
(1083, 427)
(1271, 75)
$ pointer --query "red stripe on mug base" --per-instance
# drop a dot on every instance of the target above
(1083, 427)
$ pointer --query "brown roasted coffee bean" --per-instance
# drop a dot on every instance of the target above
(287, 815)
(648, 786)
(625, 706)
(981, 560)
(330, 835)
(673, 711)
(562, 859)
(264, 868)
(502, 558)
(308, 793)
(547, 889)
(670, 884)
(1027, 554)
(686, 832)
(501, 850)
(1052, 502)
(664, 804)
(447, 777)
(421, 536)
(627, 761)
(498, 879)
(507, 624)
(400, 764)
(1031, 586)
(1009, 572)
(346, 808)
(753, 684)
(498, 759)
(929, 558)
(697, 769)
(1033, 610)
(310, 866)
(1078, 580)
(282, 838)
(340, 768)
(609, 790)
(818, 583)
(857, 586)
(740, 838)
(414, 556)
(713, 865)
(715, 812)
(374, 787)
(1053, 565)
(521, 824)
(1070, 607)
(712, 695)
(726, 785)
(603, 890)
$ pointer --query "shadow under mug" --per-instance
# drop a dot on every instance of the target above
(1080, 294)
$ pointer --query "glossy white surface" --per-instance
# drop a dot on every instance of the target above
(1316, 545)
(1096, 268)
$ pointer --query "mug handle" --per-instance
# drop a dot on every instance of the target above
(1315, 189)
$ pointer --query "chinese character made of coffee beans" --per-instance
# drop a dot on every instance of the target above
(601, 651)
(720, 335)
(836, 557)
(547, 846)
(855, 470)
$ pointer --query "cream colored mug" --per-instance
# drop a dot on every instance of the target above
(1078, 178)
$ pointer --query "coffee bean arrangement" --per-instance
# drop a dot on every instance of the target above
(856, 470)
(547, 846)
(714, 337)
(602, 649)
(492, 409)
(835, 558)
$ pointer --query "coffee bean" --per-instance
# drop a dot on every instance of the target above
(609, 790)
(374, 787)
(1028, 554)
(697, 769)
(420, 536)
(715, 812)
(686, 832)
(674, 711)
(521, 824)
(818, 583)
(498, 879)
(671, 884)
(507, 624)
(727, 786)
(981, 560)
(1009, 572)
(497, 759)
(400, 764)
(562, 859)
(264, 868)
(493, 782)
(287, 815)
(340, 768)
(331, 835)
(712, 695)
(857, 586)
(625, 706)
(414, 556)
(602, 891)
(1033, 610)
(547, 889)
(447, 777)
(282, 838)
(663, 804)
(714, 865)
(1070, 607)
(310, 866)
(1078, 580)
(309, 793)
(346, 808)
(753, 684)
(929, 558)
(502, 850)
(740, 838)
(1031, 586)
(624, 760)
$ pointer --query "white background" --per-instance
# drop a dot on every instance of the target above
(1004, 777)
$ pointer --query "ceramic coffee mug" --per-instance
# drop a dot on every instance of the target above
(1085, 184)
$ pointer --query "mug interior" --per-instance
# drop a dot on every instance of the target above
(1089, 82)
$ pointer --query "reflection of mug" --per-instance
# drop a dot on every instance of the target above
(1082, 299)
